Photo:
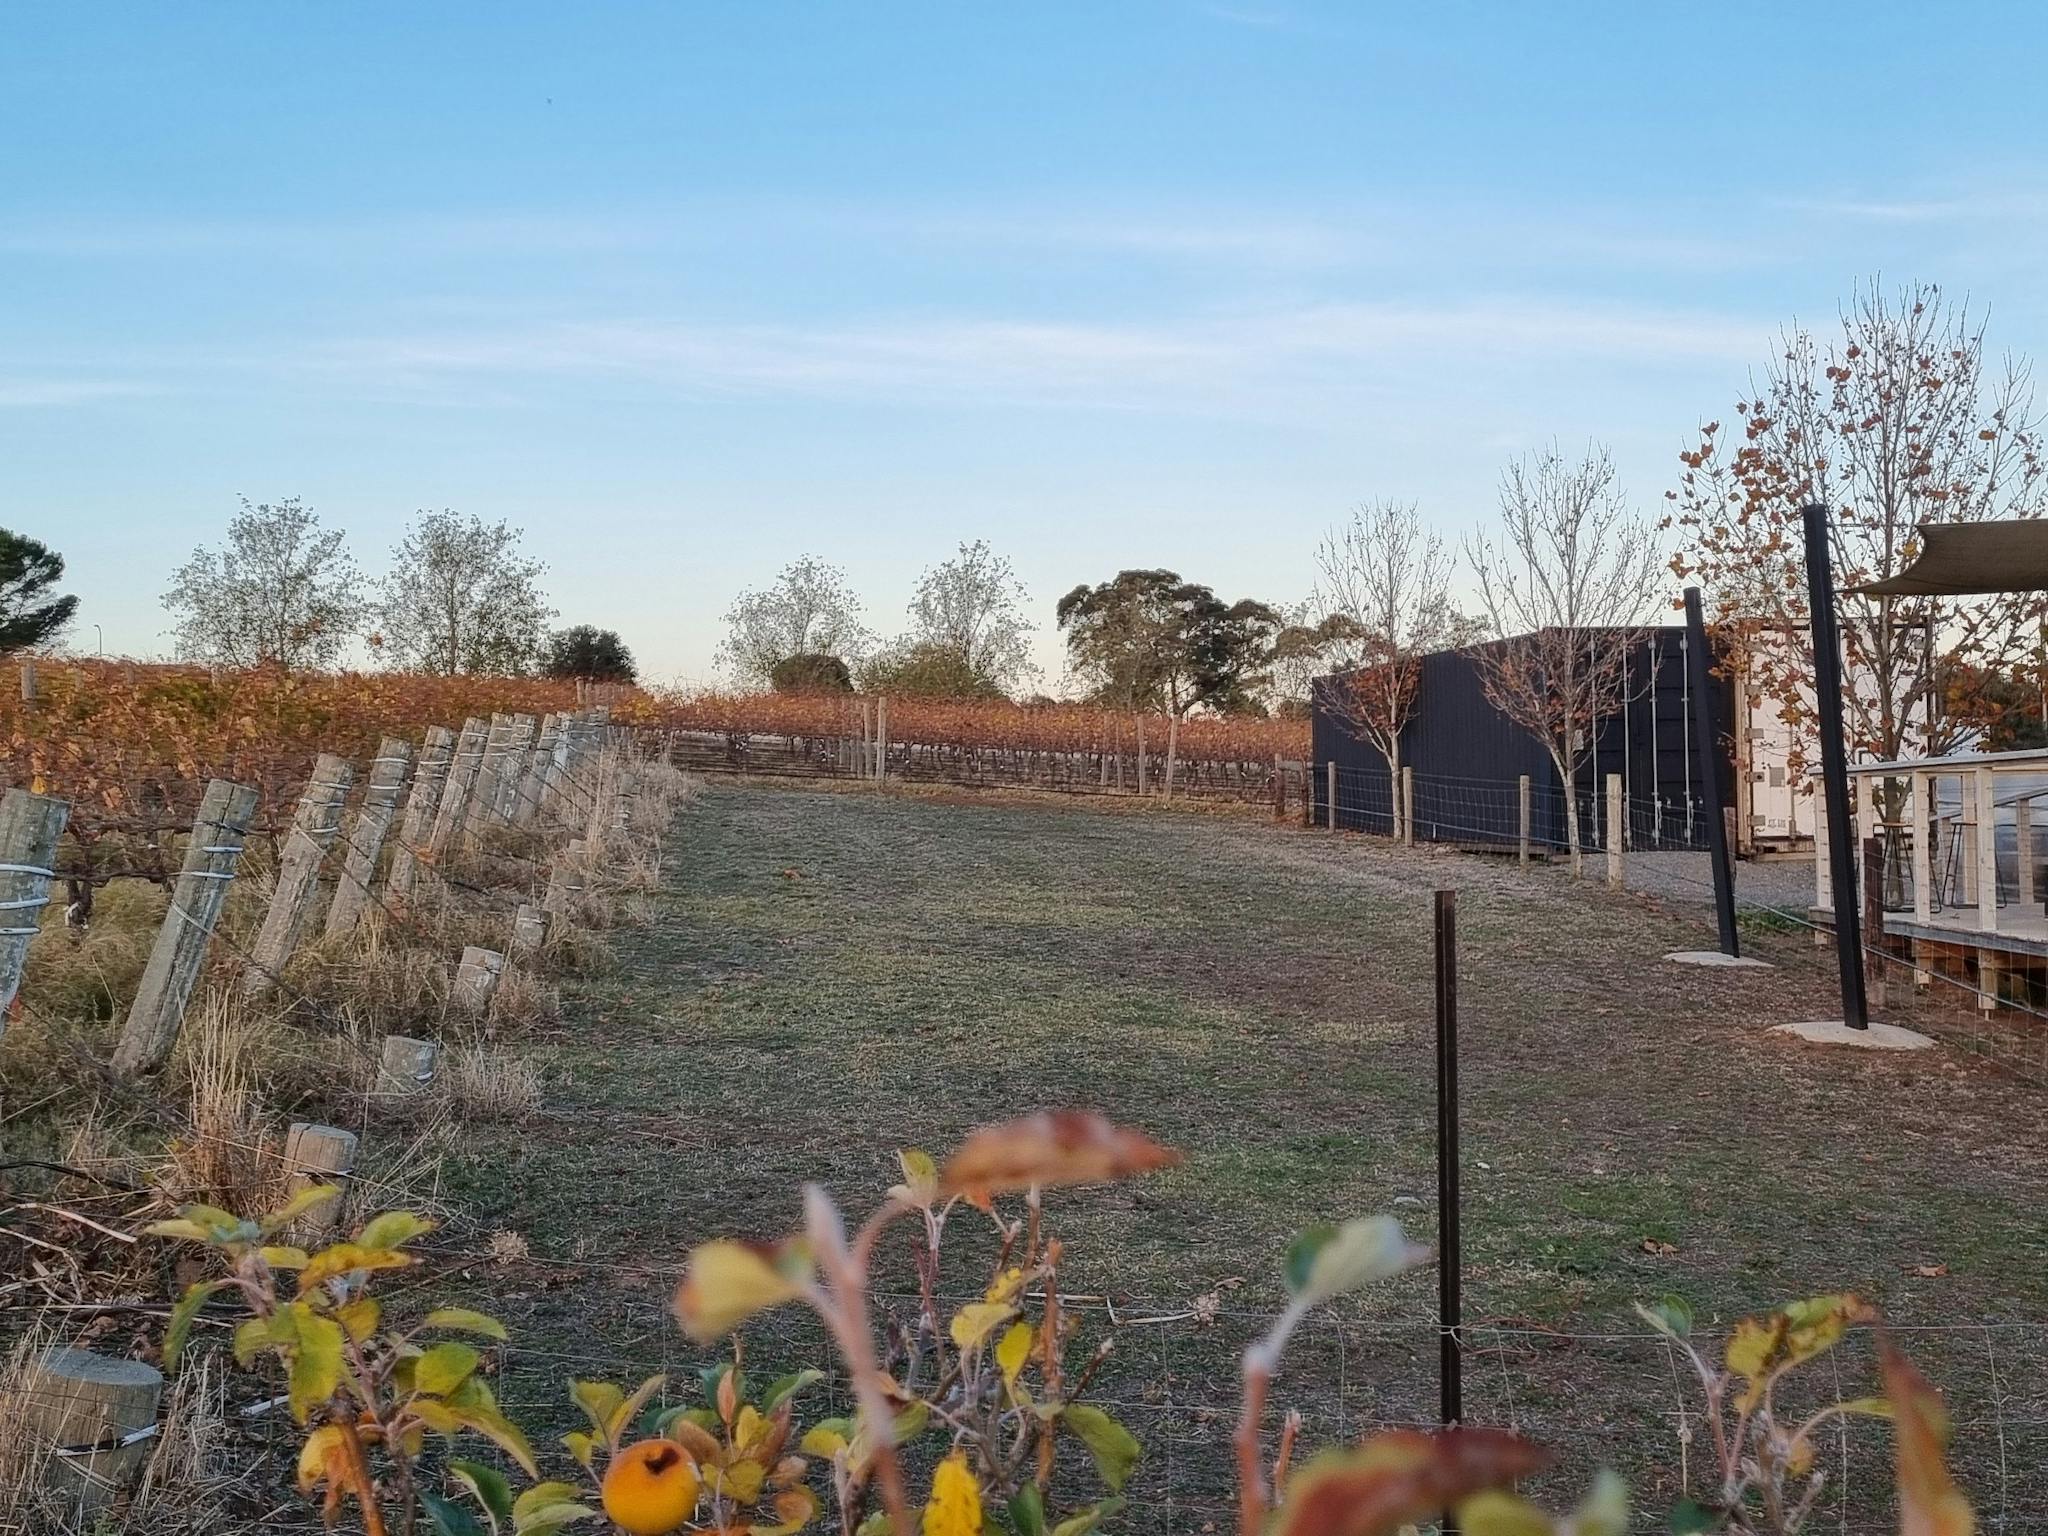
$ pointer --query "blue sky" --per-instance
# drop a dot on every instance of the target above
(689, 290)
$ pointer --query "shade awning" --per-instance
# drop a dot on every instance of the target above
(1963, 559)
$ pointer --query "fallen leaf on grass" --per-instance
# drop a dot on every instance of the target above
(1928, 1271)
(1661, 1250)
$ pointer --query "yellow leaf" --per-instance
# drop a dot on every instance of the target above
(467, 1321)
(443, 1368)
(346, 1258)
(826, 1438)
(298, 1205)
(954, 1508)
(743, 1480)
(316, 1360)
(975, 1321)
(323, 1458)
(1502, 1514)
(282, 1257)
(358, 1318)
(1014, 1350)
(391, 1229)
(728, 1283)
(920, 1184)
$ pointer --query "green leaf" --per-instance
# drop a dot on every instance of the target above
(466, 1321)
(450, 1518)
(490, 1486)
(390, 1229)
(181, 1319)
(540, 1495)
(599, 1400)
(553, 1517)
(297, 1206)
(1027, 1512)
(787, 1387)
(443, 1368)
(252, 1337)
(474, 1406)
(1669, 1315)
(1329, 1261)
(1085, 1520)
(1114, 1448)
(1690, 1519)
(316, 1360)
(911, 1421)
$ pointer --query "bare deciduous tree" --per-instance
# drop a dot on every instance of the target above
(1566, 589)
(1893, 423)
(809, 611)
(460, 599)
(282, 590)
(1388, 579)
(971, 608)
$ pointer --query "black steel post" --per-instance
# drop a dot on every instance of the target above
(1834, 766)
(1706, 747)
(1448, 1264)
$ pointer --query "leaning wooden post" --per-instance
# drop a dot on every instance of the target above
(94, 1417)
(483, 799)
(29, 828)
(315, 1155)
(418, 823)
(314, 828)
(476, 978)
(1522, 819)
(180, 950)
(366, 837)
(533, 782)
(406, 1065)
(511, 775)
(565, 879)
(529, 931)
(1616, 827)
(455, 794)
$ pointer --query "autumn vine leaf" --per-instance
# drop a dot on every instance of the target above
(1047, 1150)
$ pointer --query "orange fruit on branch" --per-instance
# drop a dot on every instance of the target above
(651, 1487)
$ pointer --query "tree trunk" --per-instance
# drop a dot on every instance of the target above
(1567, 767)
(1394, 783)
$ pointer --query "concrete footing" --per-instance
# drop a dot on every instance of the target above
(1879, 1037)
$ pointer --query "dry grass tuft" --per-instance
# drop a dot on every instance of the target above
(522, 999)
(480, 1083)
(185, 1476)
(226, 1154)
(25, 1503)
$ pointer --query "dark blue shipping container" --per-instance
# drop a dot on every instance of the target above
(1467, 758)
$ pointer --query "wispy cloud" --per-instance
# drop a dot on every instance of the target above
(30, 393)
(1210, 361)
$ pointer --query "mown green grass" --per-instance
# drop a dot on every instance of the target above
(830, 976)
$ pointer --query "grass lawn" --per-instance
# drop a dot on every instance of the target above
(832, 975)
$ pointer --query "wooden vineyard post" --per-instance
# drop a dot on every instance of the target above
(455, 794)
(314, 827)
(180, 949)
(882, 741)
(406, 1065)
(1330, 804)
(1617, 826)
(565, 879)
(28, 680)
(1408, 807)
(96, 1417)
(314, 1155)
(1522, 814)
(476, 978)
(511, 774)
(529, 931)
(418, 823)
(29, 828)
(483, 798)
(533, 782)
(366, 837)
(1279, 791)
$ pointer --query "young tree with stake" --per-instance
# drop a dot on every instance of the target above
(1566, 585)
